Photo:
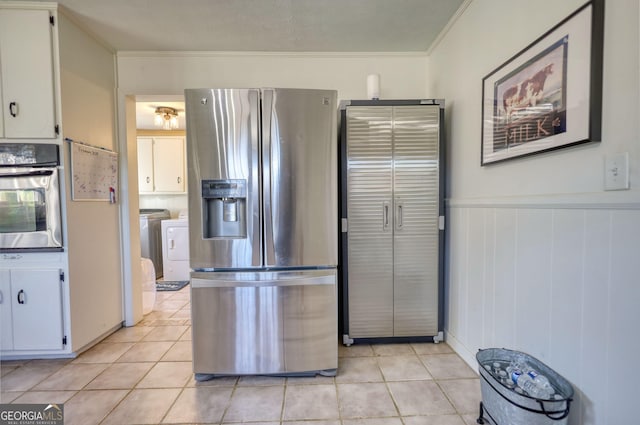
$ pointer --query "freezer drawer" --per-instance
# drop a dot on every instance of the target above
(247, 323)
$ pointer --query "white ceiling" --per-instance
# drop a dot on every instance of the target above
(260, 25)
(265, 25)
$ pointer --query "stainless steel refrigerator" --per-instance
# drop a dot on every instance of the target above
(263, 236)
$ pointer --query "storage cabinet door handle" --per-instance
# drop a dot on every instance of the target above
(385, 215)
(399, 214)
(1, 297)
(21, 297)
(13, 109)
(179, 180)
(148, 179)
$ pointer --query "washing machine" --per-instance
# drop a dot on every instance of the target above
(175, 248)
(151, 236)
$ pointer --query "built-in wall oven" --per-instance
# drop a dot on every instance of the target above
(30, 215)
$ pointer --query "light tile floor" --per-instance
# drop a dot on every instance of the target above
(142, 375)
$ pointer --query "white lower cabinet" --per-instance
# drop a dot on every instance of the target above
(6, 326)
(31, 310)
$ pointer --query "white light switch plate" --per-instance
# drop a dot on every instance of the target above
(616, 171)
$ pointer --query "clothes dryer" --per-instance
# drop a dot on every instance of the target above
(175, 249)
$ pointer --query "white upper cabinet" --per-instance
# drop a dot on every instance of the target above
(161, 165)
(26, 71)
(145, 164)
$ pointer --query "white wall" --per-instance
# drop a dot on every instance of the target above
(174, 203)
(540, 258)
(87, 76)
(401, 75)
(488, 34)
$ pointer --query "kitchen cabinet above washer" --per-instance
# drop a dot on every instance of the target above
(161, 164)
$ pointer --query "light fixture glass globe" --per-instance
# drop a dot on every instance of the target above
(166, 117)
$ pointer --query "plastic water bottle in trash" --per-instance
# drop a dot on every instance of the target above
(530, 386)
(516, 365)
(542, 382)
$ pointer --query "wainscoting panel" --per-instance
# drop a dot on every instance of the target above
(562, 284)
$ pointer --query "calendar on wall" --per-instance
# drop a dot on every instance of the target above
(94, 173)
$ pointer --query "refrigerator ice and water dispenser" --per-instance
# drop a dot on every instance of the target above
(224, 208)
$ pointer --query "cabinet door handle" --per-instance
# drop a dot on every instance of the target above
(1, 297)
(21, 296)
(179, 179)
(148, 179)
(13, 109)
(399, 214)
(385, 215)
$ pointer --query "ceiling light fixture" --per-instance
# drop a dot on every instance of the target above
(166, 117)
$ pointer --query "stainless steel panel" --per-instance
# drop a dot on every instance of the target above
(370, 236)
(300, 177)
(237, 330)
(310, 317)
(223, 144)
(264, 322)
(416, 188)
(30, 215)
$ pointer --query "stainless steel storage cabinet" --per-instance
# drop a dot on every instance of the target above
(392, 181)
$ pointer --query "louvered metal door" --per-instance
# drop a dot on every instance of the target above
(369, 202)
(393, 215)
(415, 243)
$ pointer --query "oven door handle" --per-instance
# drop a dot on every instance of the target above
(28, 173)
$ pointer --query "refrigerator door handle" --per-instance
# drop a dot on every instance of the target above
(262, 279)
(267, 179)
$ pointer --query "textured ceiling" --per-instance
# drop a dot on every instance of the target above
(265, 25)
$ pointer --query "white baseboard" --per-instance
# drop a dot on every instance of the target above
(462, 351)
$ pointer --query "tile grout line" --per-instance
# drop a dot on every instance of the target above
(437, 382)
(130, 390)
(284, 398)
(335, 384)
(233, 392)
(386, 384)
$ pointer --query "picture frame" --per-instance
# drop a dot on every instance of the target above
(549, 95)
